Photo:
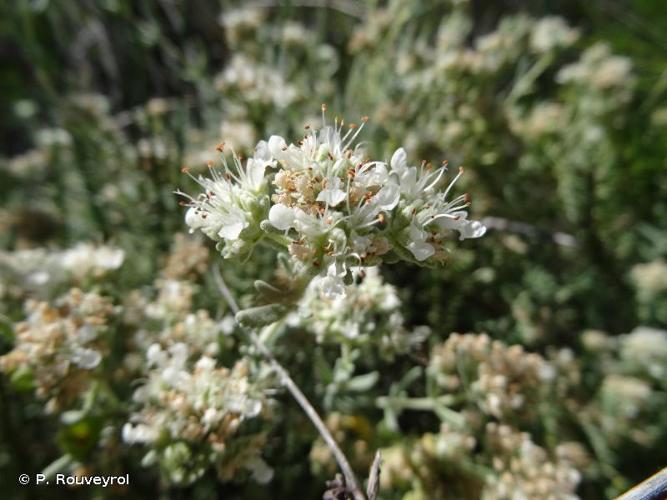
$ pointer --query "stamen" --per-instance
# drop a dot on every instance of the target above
(451, 184)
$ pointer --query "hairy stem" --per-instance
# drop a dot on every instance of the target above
(350, 479)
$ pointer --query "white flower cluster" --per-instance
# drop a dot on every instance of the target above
(525, 470)
(600, 70)
(516, 468)
(41, 270)
(623, 397)
(188, 258)
(368, 313)
(233, 203)
(239, 23)
(645, 350)
(650, 278)
(86, 259)
(170, 319)
(552, 32)
(58, 345)
(187, 414)
(256, 82)
(504, 381)
(335, 207)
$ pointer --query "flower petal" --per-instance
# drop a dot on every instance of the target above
(277, 146)
(399, 160)
(281, 217)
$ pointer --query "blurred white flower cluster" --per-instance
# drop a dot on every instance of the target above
(367, 314)
(525, 470)
(331, 206)
(256, 82)
(170, 318)
(41, 271)
(650, 280)
(189, 413)
(601, 70)
(645, 350)
(58, 345)
(504, 381)
(514, 466)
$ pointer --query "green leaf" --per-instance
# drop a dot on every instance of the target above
(255, 317)
(364, 382)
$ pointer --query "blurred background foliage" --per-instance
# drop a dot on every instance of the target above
(558, 112)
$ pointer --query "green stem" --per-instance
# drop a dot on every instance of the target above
(282, 240)
(419, 404)
(350, 479)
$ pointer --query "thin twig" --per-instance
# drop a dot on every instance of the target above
(373, 488)
(350, 479)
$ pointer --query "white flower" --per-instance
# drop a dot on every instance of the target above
(277, 147)
(414, 182)
(85, 358)
(155, 355)
(232, 201)
(399, 161)
(138, 433)
(332, 284)
(211, 417)
(418, 245)
(365, 214)
(311, 225)
(431, 213)
(457, 221)
(332, 195)
(205, 363)
(282, 217)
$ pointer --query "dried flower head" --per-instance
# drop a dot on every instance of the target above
(190, 416)
(60, 344)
